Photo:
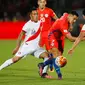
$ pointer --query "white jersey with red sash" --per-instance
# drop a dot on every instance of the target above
(31, 41)
(32, 30)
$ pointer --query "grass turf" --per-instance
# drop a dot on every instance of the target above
(25, 72)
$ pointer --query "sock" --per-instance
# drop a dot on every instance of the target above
(57, 68)
(6, 63)
(46, 67)
(50, 65)
(49, 61)
(46, 63)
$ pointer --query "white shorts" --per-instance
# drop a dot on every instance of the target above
(30, 48)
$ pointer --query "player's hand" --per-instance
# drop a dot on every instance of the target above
(15, 50)
(70, 52)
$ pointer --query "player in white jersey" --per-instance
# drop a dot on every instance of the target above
(80, 37)
(32, 37)
(30, 45)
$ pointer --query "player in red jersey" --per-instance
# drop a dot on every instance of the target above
(56, 37)
(45, 15)
(59, 31)
(80, 37)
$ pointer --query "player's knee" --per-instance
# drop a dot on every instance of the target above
(55, 52)
(44, 55)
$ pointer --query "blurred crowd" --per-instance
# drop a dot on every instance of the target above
(18, 10)
(12, 10)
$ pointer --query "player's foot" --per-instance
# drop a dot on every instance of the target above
(45, 75)
(59, 78)
(41, 66)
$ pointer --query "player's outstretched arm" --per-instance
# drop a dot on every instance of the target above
(74, 45)
(55, 17)
(70, 37)
(77, 41)
(18, 42)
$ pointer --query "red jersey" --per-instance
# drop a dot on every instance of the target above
(59, 28)
(45, 16)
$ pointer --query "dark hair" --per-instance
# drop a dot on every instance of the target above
(32, 9)
(83, 12)
(74, 13)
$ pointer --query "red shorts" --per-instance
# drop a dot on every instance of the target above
(44, 40)
(59, 44)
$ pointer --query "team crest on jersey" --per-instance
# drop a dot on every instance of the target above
(65, 31)
(19, 53)
(46, 15)
(33, 32)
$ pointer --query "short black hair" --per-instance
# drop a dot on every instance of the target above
(74, 13)
(83, 12)
(32, 9)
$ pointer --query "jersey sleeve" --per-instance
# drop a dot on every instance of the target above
(52, 13)
(64, 29)
(25, 27)
(83, 28)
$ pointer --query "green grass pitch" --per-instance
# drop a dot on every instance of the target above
(25, 72)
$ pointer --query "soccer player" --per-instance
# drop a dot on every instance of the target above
(80, 37)
(56, 36)
(45, 15)
(30, 45)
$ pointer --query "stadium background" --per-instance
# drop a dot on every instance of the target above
(14, 13)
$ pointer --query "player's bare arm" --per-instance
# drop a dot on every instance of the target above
(77, 41)
(55, 17)
(83, 35)
(74, 45)
(70, 37)
(18, 42)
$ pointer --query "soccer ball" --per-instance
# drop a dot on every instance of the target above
(61, 61)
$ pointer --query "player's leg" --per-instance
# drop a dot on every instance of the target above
(43, 72)
(61, 46)
(57, 50)
(41, 53)
(50, 54)
(55, 53)
(51, 69)
(23, 50)
(51, 61)
(57, 69)
(44, 55)
(9, 62)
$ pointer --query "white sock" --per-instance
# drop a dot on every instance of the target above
(6, 63)
(46, 67)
